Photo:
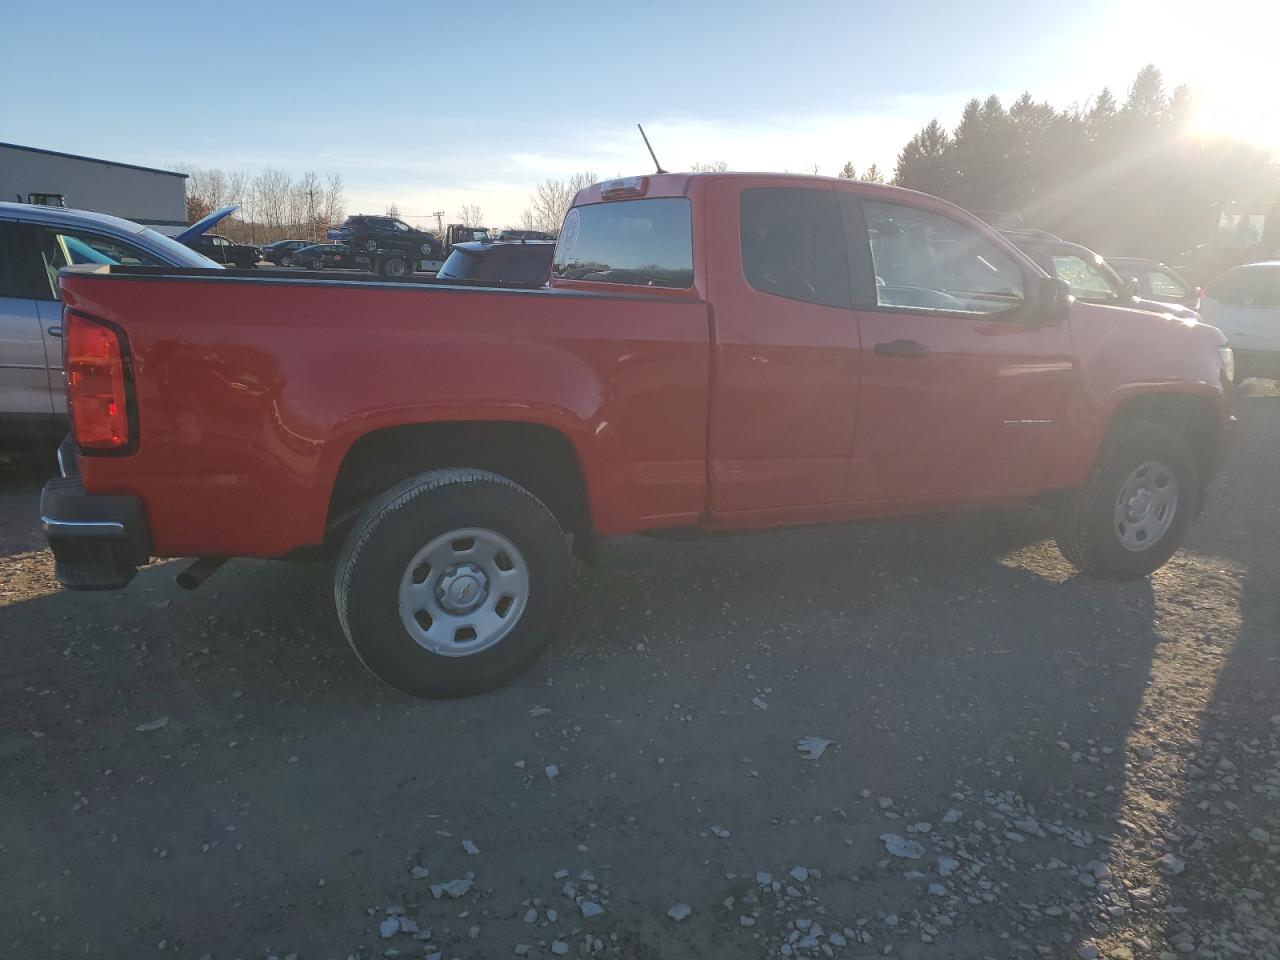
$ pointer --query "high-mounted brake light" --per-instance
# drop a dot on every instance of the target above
(626, 187)
(96, 388)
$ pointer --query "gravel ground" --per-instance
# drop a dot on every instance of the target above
(923, 740)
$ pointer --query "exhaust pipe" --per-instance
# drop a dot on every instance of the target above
(199, 571)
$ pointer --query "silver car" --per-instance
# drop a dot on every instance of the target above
(35, 243)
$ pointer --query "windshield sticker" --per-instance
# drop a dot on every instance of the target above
(569, 233)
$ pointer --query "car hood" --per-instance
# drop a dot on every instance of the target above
(205, 223)
(1162, 306)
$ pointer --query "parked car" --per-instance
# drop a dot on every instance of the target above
(815, 351)
(281, 252)
(324, 256)
(499, 261)
(1156, 281)
(35, 243)
(387, 245)
(1089, 276)
(1244, 303)
(227, 252)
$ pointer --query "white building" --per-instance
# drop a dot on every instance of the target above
(157, 198)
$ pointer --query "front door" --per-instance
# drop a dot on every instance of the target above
(963, 390)
(785, 394)
(25, 404)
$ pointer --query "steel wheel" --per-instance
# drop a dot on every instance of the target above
(463, 592)
(1146, 506)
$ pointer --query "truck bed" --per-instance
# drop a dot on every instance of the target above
(250, 389)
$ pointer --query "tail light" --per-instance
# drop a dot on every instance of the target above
(97, 385)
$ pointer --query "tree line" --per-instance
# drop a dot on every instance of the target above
(1127, 179)
(274, 205)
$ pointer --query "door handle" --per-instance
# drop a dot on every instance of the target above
(55, 331)
(902, 348)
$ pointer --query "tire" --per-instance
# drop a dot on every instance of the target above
(286, 261)
(380, 577)
(395, 267)
(1114, 526)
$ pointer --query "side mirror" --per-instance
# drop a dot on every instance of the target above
(1130, 286)
(1054, 300)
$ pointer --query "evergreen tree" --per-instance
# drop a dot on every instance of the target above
(847, 172)
(1146, 96)
(1181, 107)
(1101, 115)
(872, 174)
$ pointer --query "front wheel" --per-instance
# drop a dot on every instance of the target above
(1132, 514)
(452, 583)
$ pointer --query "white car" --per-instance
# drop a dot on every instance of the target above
(1244, 303)
(35, 243)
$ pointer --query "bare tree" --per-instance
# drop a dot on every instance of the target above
(551, 201)
(713, 166)
(814, 168)
(270, 190)
(393, 210)
(471, 215)
(335, 200)
(309, 192)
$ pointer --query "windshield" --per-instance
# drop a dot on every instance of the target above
(179, 254)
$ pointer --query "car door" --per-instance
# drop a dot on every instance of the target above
(963, 391)
(25, 403)
(1244, 304)
(786, 349)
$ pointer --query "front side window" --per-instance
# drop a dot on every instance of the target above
(647, 243)
(1165, 285)
(925, 262)
(1087, 279)
(793, 244)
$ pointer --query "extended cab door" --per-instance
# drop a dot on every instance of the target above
(786, 350)
(963, 389)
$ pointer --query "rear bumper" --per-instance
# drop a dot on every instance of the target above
(98, 541)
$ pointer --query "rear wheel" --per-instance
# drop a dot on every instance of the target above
(1132, 514)
(286, 260)
(452, 583)
(395, 267)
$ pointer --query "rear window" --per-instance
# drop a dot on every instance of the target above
(646, 243)
(1248, 287)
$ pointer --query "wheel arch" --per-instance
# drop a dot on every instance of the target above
(1194, 415)
(539, 457)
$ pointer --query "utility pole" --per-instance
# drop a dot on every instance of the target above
(439, 215)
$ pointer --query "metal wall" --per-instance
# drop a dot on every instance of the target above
(153, 197)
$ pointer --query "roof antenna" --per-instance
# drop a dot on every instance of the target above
(651, 153)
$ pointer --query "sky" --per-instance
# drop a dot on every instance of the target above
(433, 105)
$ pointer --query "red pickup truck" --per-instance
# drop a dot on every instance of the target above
(713, 351)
